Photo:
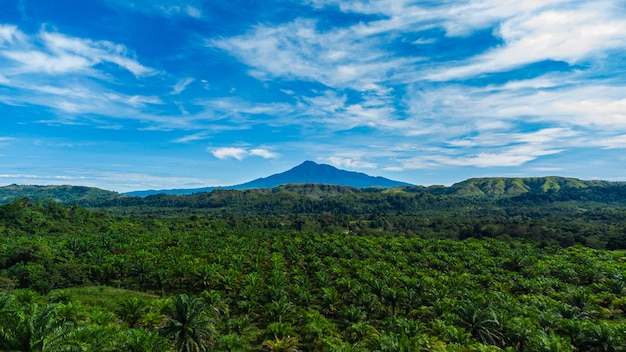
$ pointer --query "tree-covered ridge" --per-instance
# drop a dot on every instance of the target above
(326, 283)
(86, 196)
(478, 187)
(498, 186)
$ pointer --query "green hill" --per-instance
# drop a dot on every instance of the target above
(81, 195)
(499, 186)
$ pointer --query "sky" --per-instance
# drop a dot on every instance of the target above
(156, 94)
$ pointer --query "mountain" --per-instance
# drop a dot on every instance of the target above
(307, 172)
(311, 172)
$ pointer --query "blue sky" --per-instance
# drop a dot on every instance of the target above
(154, 94)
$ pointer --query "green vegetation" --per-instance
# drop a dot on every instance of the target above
(70, 195)
(314, 268)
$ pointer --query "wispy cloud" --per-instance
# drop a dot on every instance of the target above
(166, 8)
(192, 138)
(72, 76)
(299, 50)
(571, 35)
(513, 156)
(611, 142)
(55, 53)
(181, 85)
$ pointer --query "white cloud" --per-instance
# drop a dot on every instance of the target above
(191, 138)
(298, 50)
(350, 163)
(230, 152)
(263, 153)
(513, 156)
(547, 136)
(577, 103)
(613, 142)
(569, 35)
(458, 17)
(242, 153)
(181, 85)
(35, 61)
(161, 8)
(59, 54)
(139, 100)
(9, 34)
(94, 52)
(193, 11)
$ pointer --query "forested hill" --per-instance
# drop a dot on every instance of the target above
(85, 196)
(511, 189)
(499, 186)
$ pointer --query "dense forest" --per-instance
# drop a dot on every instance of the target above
(318, 268)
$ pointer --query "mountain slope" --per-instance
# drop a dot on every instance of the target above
(61, 194)
(500, 186)
(307, 172)
(311, 172)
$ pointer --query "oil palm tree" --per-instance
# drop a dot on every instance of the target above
(131, 310)
(43, 330)
(189, 326)
(137, 340)
(482, 323)
(285, 344)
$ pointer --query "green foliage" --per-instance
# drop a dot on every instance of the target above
(189, 325)
(394, 270)
(70, 195)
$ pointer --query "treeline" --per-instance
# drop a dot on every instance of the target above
(593, 216)
(308, 199)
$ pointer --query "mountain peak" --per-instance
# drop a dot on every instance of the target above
(307, 172)
(312, 172)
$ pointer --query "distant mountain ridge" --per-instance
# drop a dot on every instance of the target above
(496, 187)
(307, 172)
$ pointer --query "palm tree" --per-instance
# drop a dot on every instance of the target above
(42, 329)
(315, 327)
(131, 310)
(285, 344)
(216, 303)
(189, 325)
(280, 310)
(482, 323)
(137, 340)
